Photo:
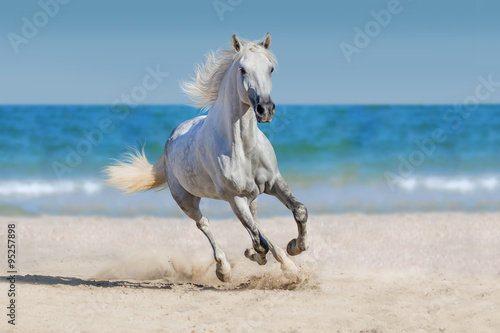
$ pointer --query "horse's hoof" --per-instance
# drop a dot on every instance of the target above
(290, 271)
(223, 272)
(254, 256)
(249, 254)
(223, 277)
(293, 249)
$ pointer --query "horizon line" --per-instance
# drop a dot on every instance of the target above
(278, 104)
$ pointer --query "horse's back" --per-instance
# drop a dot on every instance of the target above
(184, 128)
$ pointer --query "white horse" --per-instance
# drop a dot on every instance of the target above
(223, 155)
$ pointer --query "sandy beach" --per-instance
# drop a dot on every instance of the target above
(363, 273)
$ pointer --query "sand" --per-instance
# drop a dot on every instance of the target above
(363, 273)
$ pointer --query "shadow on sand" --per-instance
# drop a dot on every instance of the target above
(74, 282)
(263, 282)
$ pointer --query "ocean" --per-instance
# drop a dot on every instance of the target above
(336, 158)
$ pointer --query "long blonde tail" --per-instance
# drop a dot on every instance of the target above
(135, 174)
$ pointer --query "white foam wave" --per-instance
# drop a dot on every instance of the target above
(450, 184)
(39, 188)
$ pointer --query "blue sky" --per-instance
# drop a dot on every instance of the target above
(94, 51)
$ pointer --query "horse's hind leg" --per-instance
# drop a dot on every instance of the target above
(223, 269)
(282, 191)
(191, 206)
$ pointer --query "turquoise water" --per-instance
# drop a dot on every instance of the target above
(342, 158)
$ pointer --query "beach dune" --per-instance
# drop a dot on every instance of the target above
(363, 273)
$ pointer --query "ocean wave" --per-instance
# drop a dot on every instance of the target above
(460, 184)
(39, 188)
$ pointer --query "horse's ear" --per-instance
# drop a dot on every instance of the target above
(236, 44)
(267, 42)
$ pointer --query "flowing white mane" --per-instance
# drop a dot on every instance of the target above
(203, 90)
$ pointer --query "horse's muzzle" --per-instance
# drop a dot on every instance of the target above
(265, 111)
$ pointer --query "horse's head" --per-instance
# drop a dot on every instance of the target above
(255, 65)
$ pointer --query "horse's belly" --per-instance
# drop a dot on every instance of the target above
(217, 186)
(199, 185)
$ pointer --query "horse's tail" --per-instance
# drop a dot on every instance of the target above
(135, 174)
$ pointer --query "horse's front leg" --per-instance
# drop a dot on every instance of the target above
(247, 214)
(242, 210)
(282, 191)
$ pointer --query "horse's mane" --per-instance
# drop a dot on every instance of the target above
(203, 90)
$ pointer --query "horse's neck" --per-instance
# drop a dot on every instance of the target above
(232, 119)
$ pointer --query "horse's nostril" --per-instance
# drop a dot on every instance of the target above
(274, 107)
(260, 109)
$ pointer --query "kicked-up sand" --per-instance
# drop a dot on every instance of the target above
(421, 272)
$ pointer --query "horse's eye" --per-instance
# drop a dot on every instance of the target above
(272, 69)
(243, 71)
